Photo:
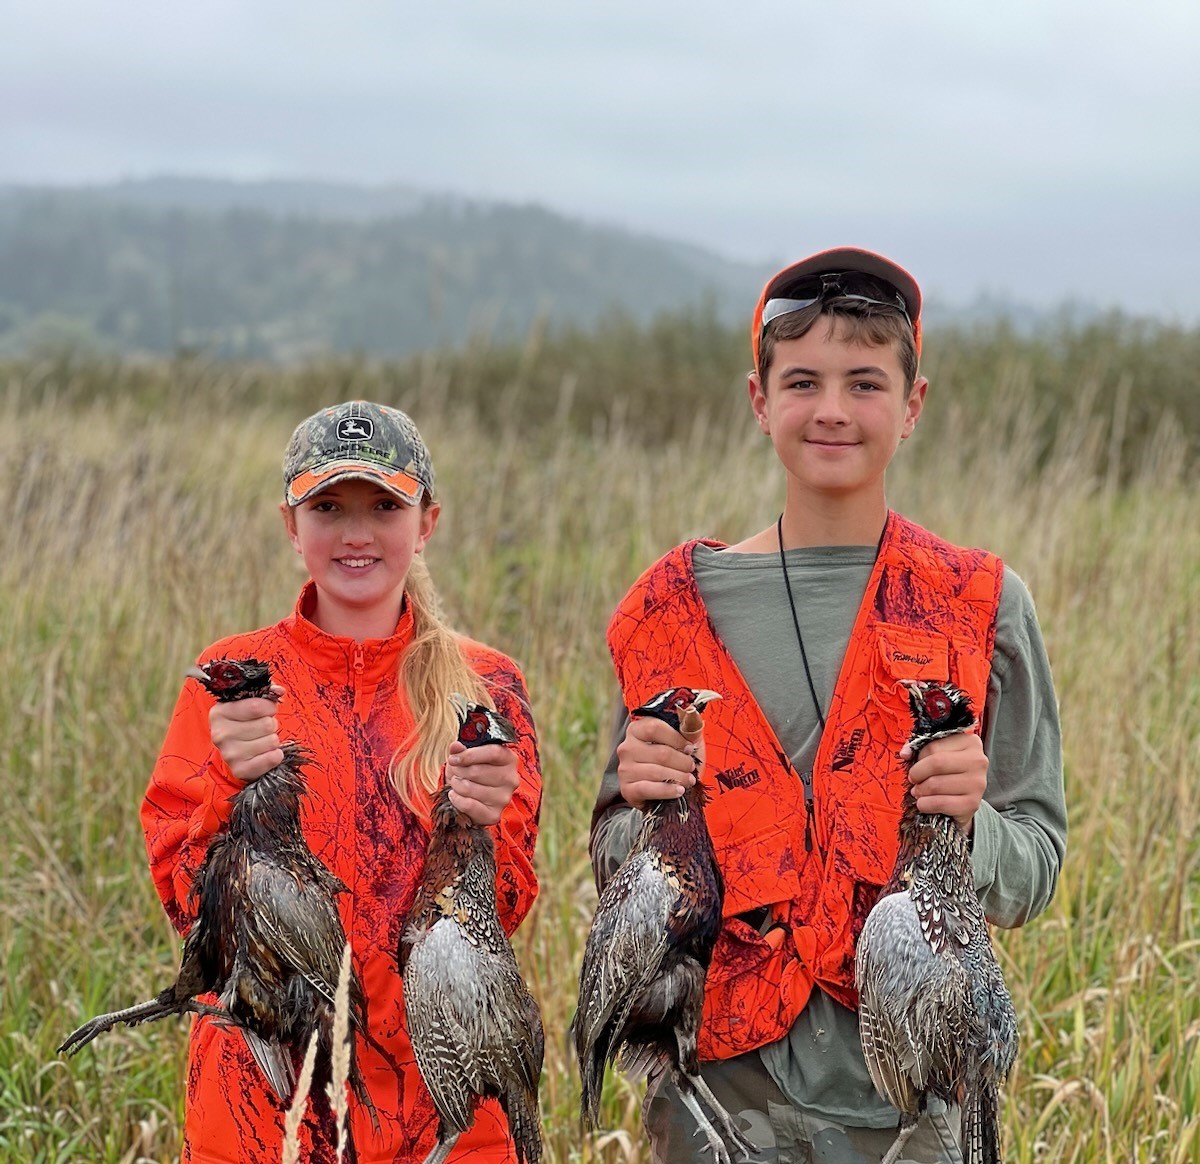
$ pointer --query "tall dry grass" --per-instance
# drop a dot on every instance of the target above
(140, 525)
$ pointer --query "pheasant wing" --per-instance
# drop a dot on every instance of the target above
(519, 1021)
(625, 949)
(912, 1005)
(299, 922)
(502, 1020)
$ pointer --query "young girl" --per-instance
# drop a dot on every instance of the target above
(364, 668)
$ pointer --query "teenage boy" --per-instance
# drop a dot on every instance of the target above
(808, 628)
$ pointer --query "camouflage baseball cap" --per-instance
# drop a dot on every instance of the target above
(357, 439)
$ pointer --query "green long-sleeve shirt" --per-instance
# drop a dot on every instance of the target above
(1020, 829)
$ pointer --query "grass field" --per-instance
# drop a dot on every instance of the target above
(141, 525)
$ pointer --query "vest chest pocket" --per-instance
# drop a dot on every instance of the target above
(903, 654)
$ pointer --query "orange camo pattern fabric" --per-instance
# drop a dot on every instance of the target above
(929, 612)
(344, 703)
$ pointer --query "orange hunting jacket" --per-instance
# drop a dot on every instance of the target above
(929, 612)
(344, 704)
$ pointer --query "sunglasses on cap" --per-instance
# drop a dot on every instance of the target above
(836, 285)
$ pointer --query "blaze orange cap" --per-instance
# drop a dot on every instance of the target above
(841, 260)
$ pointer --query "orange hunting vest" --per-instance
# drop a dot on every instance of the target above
(929, 612)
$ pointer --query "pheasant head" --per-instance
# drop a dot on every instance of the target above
(231, 679)
(939, 709)
(673, 705)
(479, 725)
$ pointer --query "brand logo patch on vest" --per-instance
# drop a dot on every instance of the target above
(843, 754)
(919, 659)
(738, 777)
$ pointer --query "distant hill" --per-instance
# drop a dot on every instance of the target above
(284, 270)
(311, 199)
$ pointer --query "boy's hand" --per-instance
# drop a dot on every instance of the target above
(950, 776)
(246, 734)
(482, 780)
(655, 762)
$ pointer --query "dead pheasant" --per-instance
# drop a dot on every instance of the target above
(267, 939)
(641, 986)
(475, 1028)
(935, 1015)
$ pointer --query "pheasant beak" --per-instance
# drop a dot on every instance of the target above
(196, 673)
(461, 706)
(704, 698)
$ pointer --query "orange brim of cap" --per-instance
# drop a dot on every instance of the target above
(407, 488)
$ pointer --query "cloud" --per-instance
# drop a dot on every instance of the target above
(1060, 134)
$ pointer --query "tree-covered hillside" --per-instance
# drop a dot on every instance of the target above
(287, 270)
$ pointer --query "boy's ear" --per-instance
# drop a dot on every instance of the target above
(289, 524)
(758, 401)
(914, 405)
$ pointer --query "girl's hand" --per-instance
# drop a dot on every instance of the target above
(482, 780)
(246, 734)
(950, 777)
(655, 762)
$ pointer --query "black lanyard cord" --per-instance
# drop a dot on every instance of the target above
(796, 623)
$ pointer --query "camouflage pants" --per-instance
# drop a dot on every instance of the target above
(783, 1133)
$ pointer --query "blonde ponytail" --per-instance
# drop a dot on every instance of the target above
(431, 668)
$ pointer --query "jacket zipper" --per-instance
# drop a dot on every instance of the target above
(360, 666)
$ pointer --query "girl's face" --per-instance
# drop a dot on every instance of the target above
(358, 541)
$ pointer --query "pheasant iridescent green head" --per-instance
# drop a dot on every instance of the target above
(479, 725)
(231, 679)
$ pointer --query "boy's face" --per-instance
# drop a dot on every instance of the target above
(835, 411)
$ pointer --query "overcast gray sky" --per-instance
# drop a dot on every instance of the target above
(1035, 149)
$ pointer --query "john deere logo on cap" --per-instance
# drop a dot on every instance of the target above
(355, 428)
